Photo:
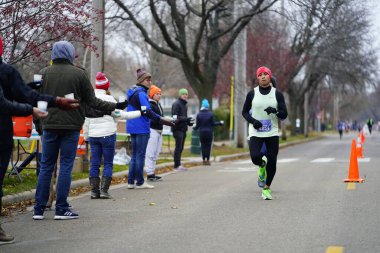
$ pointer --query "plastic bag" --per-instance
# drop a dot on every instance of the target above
(121, 157)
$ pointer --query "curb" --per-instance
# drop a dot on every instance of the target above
(28, 195)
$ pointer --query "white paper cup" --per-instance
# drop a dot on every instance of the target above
(174, 117)
(70, 95)
(143, 108)
(121, 99)
(37, 77)
(42, 106)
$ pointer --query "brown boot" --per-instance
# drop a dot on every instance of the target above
(4, 238)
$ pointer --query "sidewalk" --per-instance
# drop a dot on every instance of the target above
(161, 168)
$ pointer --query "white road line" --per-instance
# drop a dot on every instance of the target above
(243, 162)
(323, 160)
(238, 169)
(365, 160)
(287, 160)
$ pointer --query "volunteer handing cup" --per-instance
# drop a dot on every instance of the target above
(42, 106)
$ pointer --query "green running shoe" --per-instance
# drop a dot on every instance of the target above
(266, 194)
(262, 173)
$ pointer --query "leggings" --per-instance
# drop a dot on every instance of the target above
(272, 146)
(205, 138)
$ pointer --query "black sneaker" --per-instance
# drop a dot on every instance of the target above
(38, 214)
(65, 215)
(153, 178)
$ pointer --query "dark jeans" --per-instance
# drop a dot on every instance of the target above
(54, 143)
(205, 138)
(102, 147)
(272, 146)
(5, 156)
(179, 137)
(136, 166)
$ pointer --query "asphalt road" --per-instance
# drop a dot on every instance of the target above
(219, 208)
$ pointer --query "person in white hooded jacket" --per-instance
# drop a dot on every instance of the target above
(100, 130)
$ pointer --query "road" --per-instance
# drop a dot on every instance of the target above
(219, 208)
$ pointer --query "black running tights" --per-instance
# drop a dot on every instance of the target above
(272, 145)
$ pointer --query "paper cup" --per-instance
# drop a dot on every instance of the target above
(70, 95)
(121, 99)
(174, 117)
(143, 108)
(37, 77)
(42, 106)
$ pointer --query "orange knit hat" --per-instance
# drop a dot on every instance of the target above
(153, 90)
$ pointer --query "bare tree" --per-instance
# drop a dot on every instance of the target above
(198, 33)
(329, 41)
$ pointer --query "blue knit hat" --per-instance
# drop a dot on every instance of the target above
(205, 103)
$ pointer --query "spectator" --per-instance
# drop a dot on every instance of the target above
(179, 112)
(155, 139)
(18, 99)
(100, 130)
(205, 123)
(61, 129)
(140, 128)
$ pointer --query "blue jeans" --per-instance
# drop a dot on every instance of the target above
(102, 146)
(136, 166)
(52, 143)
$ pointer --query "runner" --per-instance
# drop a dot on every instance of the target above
(267, 105)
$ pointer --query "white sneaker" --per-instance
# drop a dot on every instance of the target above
(180, 168)
(131, 186)
(145, 185)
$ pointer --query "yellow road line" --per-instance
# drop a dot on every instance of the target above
(334, 249)
(351, 186)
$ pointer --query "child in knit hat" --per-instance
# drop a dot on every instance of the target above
(154, 146)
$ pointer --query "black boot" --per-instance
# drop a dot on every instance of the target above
(4, 238)
(105, 185)
(94, 183)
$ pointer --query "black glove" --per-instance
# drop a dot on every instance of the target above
(257, 124)
(270, 110)
(143, 112)
(35, 85)
(122, 105)
(166, 122)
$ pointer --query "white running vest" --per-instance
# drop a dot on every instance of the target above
(270, 122)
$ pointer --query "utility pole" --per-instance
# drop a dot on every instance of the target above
(240, 61)
(97, 57)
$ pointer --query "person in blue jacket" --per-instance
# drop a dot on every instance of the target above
(205, 123)
(139, 128)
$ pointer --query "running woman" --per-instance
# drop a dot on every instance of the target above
(267, 105)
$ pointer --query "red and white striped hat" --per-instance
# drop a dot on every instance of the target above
(101, 81)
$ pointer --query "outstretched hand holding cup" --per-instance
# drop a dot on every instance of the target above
(67, 103)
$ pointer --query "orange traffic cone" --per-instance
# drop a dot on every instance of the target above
(359, 147)
(353, 171)
(362, 137)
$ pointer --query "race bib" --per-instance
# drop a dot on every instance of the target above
(267, 125)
